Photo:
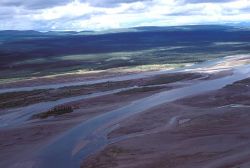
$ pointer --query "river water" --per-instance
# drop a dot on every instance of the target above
(59, 153)
(14, 117)
(112, 79)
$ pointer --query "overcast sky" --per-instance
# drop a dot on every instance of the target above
(107, 14)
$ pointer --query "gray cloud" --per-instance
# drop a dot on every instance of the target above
(112, 3)
(41, 4)
(206, 1)
(33, 4)
(105, 14)
(246, 10)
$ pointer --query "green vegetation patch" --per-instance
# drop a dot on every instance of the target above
(25, 98)
(60, 110)
(140, 90)
(170, 78)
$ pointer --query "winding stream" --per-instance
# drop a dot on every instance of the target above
(17, 116)
(112, 79)
(92, 133)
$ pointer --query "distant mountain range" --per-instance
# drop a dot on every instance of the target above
(243, 25)
(33, 52)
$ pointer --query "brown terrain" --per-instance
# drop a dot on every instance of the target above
(209, 130)
(16, 142)
(206, 130)
(24, 98)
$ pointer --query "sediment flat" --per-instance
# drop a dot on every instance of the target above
(187, 109)
(208, 130)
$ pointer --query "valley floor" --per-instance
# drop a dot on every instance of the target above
(209, 130)
(191, 117)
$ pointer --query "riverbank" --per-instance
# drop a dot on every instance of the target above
(117, 112)
(211, 127)
(38, 132)
(71, 79)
